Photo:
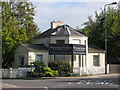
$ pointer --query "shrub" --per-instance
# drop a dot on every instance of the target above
(39, 65)
(49, 72)
(32, 74)
(84, 74)
(63, 68)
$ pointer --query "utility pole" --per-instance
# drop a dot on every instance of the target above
(105, 26)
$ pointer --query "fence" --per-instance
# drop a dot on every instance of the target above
(114, 68)
(13, 73)
(90, 70)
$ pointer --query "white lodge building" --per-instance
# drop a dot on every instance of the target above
(62, 42)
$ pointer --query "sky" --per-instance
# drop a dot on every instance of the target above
(71, 13)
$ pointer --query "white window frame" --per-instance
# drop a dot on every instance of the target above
(41, 56)
(21, 60)
(96, 62)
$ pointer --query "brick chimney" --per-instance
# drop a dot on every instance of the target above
(55, 24)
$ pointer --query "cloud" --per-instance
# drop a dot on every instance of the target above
(73, 14)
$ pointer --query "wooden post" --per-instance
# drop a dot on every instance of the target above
(54, 57)
(82, 61)
(72, 59)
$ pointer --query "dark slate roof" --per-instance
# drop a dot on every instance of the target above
(64, 30)
(95, 49)
(34, 47)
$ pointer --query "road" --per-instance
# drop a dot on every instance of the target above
(111, 82)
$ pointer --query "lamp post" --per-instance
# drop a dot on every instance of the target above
(105, 26)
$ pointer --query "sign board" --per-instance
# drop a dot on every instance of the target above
(79, 49)
(67, 49)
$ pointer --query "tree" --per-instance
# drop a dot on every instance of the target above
(94, 29)
(17, 27)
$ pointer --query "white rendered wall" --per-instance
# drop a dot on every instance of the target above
(44, 40)
(101, 59)
(68, 40)
(54, 38)
(20, 51)
(80, 40)
(34, 54)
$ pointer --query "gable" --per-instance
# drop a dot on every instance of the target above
(20, 48)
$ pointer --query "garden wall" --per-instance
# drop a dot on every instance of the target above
(13, 73)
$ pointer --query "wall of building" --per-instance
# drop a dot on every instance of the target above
(71, 40)
(101, 59)
(20, 51)
(80, 40)
(29, 56)
(54, 38)
(87, 59)
(44, 40)
(77, 40)
(32, 56)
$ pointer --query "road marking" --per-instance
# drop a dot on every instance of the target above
(88, 83)
(79, 82)
(69, 83)
(106, 83)
(10, 85)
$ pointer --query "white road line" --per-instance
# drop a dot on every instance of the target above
(10, 85)
(79, 82)
(69, 83)
(88, 83)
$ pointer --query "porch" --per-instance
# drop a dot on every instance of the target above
(71, 51)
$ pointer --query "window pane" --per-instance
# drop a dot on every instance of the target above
(95, 60)
(39, 57)
(21, 60)
(60, 57)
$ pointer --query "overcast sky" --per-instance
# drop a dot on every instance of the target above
(71, 13)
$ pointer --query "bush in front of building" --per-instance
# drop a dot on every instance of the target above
(39, 65)
(63, 68)
(32, 74)
(42, 70)
(50, 73)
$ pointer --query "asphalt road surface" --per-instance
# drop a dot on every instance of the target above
(110, 82)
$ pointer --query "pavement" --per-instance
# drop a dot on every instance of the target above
(95, 76)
